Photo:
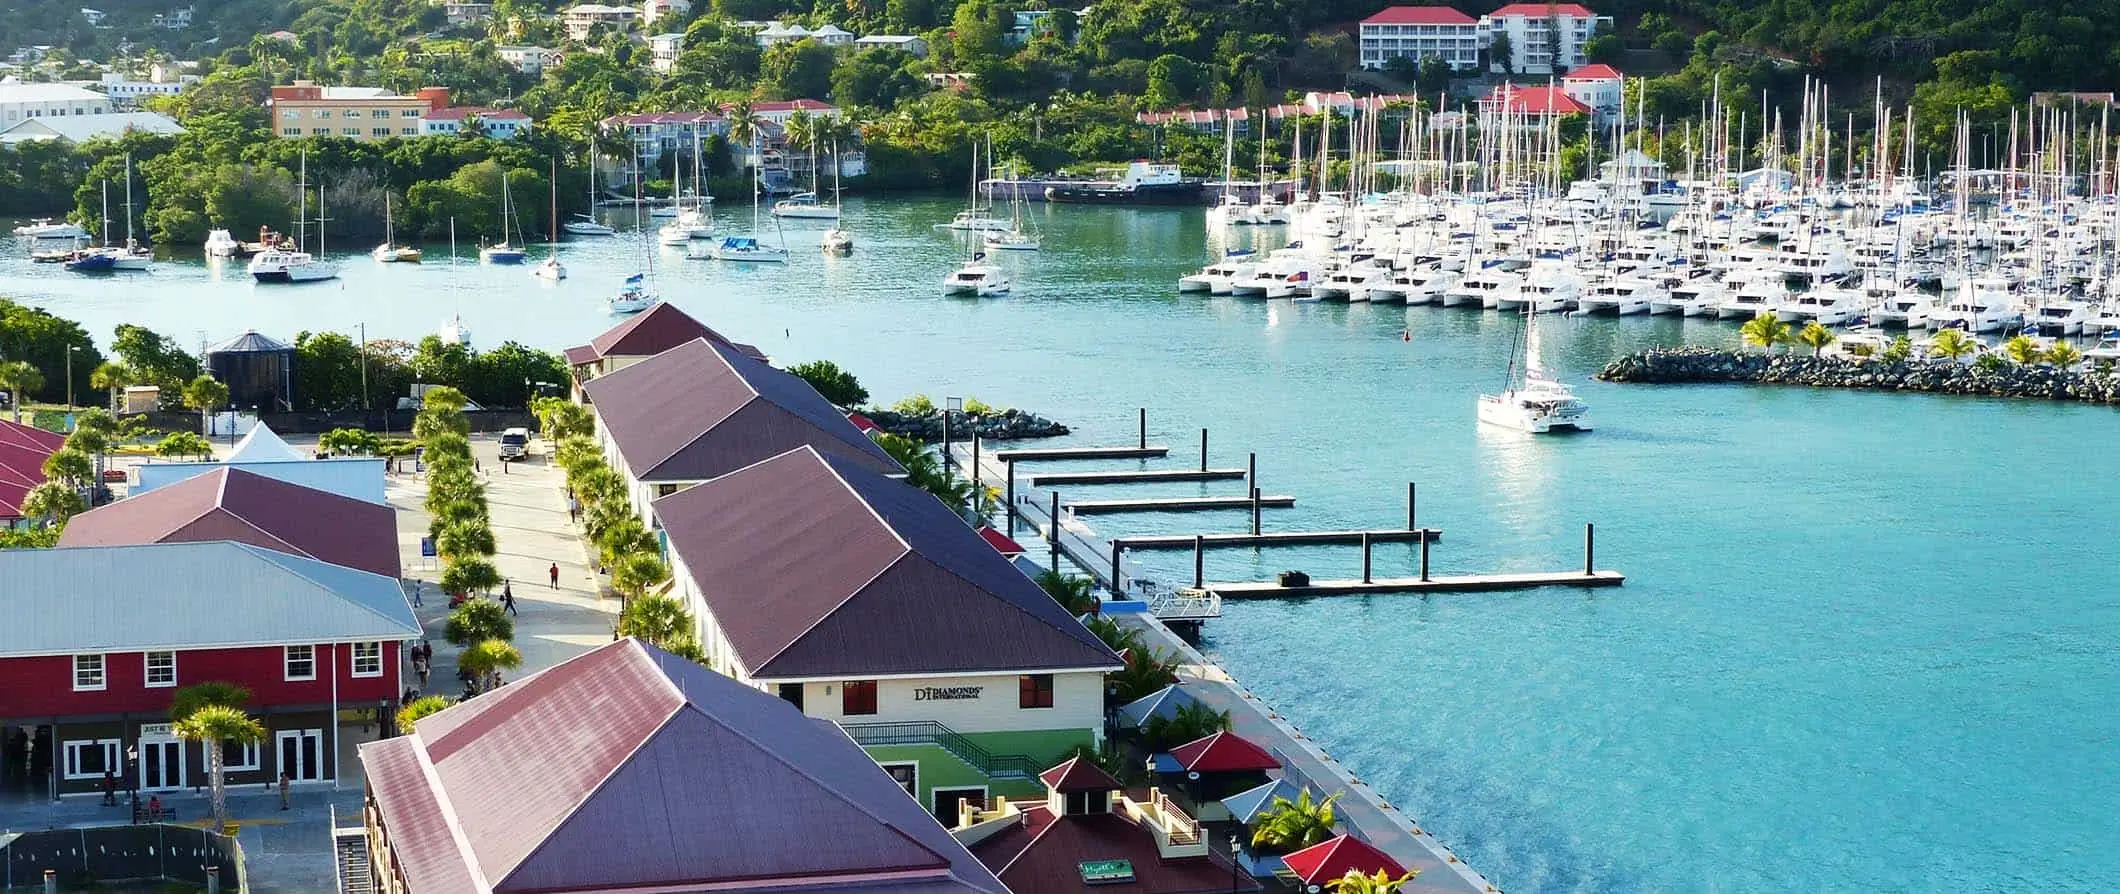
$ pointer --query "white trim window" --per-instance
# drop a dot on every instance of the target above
(90, 758)
(301, 662)
(88, 673)
(161, 669)
(368, 659)
(236, 755)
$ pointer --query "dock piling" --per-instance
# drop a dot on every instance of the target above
(975, 469)
(1052, 531)
(1251, 469)
(1199, 561)
(1410, 526)
(1009, 468)
(1254, 512)
(1144, 428)
(1366, 557)
(1203, 450)
(1589, 548)
(1424, 558)
(1117, 590)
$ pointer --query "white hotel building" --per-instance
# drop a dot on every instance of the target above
(1543, 38)
(1420, 32)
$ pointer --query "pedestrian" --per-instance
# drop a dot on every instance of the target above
(508, 597)
(416, 588)
(574, 509)
(419, 666)
(286, 787)
(554, 573)
(110, 789)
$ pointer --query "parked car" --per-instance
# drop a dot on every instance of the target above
(515, 443)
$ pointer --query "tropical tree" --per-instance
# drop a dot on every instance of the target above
(210, 726)
(188, 700)
(1114, 634)
(1190, 722)
(1766, 331)
(352, 441)
(1076, 594)
(478, 620)
(2064, 355)
(1898, 351)
(2022, 350)
(183, 443)
(744, 124)
(1289, 826)
(621, 537)
(836, 384)
(54, 502)
(113, 377)
(71, 466)
(1951, 344)
(636, 573)
(484, 660)
(1354, 882)
(205, 395)
(562, 418)
(18, 376)
(1147, 670)
(460, 540)
(418, 708)
(658, 620)
(1815, 336)
(468, 575)
(925, 470)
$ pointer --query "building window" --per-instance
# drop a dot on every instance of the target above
(350, 131)
(301, 662)
(1034, 691)
(407, 131)
(857, 697)
(239, 755)
(367, 659)
(351, 114)
(90, 758)
(323, 113)
(408, 113)
(161, 668)
(320, 131)
(88, 673)
(291, 115)
(381, 113)
(379, 131)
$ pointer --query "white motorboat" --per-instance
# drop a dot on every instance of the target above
(1702, 297)
(1828, 306)
(1352, 282)
(1427, 286)
(976, 278)
(584, 225)
(1282, 276)
(1536, 402)
(44, 228)
(1757, 296)
(1482, 288)
(550, 268)
(221, 244)
(2060, 317)
(1621, 295)
(1982, 305)
(836, 241)
(2106, 352)
(805, 206)
(1908, 309)
(1217, 278)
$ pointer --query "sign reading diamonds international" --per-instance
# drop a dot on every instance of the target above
(946, 693)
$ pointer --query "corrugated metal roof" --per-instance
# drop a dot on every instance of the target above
(627, 766)
(1248, 804)
(189, 595)
(233, 504)
(249, 342)
(815, 567)
(1046, 857)
(1162, 703)
(703, 409)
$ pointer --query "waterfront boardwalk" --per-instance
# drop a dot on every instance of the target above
(1439, 583)
(1064, 454)
(1138, 476)
(1281, 538)
(1177, 504)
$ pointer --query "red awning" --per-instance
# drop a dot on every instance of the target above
(1334, 858)
(868, 426)
(1223, 752)
(999, 541)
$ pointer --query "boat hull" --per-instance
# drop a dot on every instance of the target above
(1190, 193)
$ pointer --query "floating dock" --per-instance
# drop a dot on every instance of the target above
(1060, 454)
(1179, 504)
(1139, 476)
(1287, 538)
(1441, 583)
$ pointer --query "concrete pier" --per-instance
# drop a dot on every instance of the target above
(1058, 454)
(1179, 504)
(1138, 476)
(1440, 583)
(1285, 538)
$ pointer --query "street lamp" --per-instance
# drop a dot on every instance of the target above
(951, 406)
(71, 350)
(1234, 885)
(132, 777)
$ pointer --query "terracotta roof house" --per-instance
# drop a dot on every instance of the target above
(22, 453)
(1087, 832)
(629, 769)
(704, 409)
(866, 601)
(1335, 857)
(641, 336)
(233, 504)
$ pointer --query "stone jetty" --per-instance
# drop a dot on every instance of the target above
(1683, 365)
(1004, 425)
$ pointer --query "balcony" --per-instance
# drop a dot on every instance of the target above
(1177, 835)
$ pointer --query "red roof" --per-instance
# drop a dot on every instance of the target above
(868, 426)
(1543, 10)
(1598, 72)
(659, 328)
(1044, 854)
(1223, 752)
(1419, 15)
(232, 504)
(1002, 543)
(1078, 775)
(1537, 100)
(1332, 859)
(22, 453)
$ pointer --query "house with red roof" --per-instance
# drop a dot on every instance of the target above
(1599, 86)
(1544, 38)
(1421, 32)
(1532, 107)
(641, 336)
(627, 768)
(23, 450)
(1332, 859)
(231, 503)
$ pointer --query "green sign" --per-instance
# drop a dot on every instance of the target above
(1106, 872)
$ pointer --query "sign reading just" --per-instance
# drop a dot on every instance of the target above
(946, 693)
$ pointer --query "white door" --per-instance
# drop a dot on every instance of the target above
(161, 765)
(302, 754)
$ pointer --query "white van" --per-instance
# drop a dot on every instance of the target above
(515, 443)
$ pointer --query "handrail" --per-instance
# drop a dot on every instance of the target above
(928, 732)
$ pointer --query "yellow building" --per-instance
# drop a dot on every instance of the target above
(304, 109)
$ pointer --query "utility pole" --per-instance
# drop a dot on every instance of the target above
(364, 371)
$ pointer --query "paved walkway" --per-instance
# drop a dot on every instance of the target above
(283, 850)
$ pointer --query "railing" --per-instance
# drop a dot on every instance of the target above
(1183, 829)
(928, 732)
(1177, 835)
(1185, 604)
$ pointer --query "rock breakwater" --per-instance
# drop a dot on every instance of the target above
(1005, 425)
(1682, 365)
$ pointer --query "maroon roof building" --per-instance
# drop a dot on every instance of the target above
(232, 504)
(648, 333)
(1089, 833)
(630, 769)
(23, 451)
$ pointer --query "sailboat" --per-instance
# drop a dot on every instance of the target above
(804, 205)
(1536, 402)
(1232, 211)
(504, 252)
(280, 264)
(977, 277)
(99, 259)
(974, 216)
(747, 248)
(634, 296)
(586, 223)
(550, 268)
(390, 252)
(1015, 238)
(837, 240)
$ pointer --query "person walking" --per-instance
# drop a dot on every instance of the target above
(286, 788)
(110, 789)
(574, 509)
(416, 588)
(508, 597)
(554, 573)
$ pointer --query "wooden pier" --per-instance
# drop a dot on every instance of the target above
(1059, 454)
(1441, 583)
(1137, 476)
(1180, 504)
(1285, 538)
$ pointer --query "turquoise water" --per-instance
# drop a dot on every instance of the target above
(1867, 641)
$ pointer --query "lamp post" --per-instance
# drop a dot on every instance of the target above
(1234, 878)
(951, 406)
(71, 350)
(132, 778)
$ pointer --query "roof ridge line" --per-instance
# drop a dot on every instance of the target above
(312, 581)
(450, 820)
(591, 792)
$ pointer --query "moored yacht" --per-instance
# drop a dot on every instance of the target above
(976, 278)
(1218, 277)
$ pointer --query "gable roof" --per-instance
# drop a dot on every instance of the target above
(1078, 775)
(621, 767)
(1547, 100)
(192, 595)
(1044, 855)
(262, 445)
(1335, 857)
(815, 567)
(1223, 752)
(1543, 10)
(662, 326)
(1246, 805)
(77, 128)
(23, 451)
(234, 504)
(703, 409)
(1595, 72)
(1419, 15)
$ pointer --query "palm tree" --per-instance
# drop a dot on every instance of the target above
(1289, 826)
(464, 540)
(1898, 351)
(1951, 344)
(744, 124)
(1766, 331)
(2063, 355)
(210, 726)
(634, 575)
(1189, 723)
(2022, 350)
(54, 502)
(70, 466)
(1073, 593)
(1354, 882)
(113, 377)
(484, 660)
(1147, 670)
(801, 131)
(1815, 336)
(418, 708)
(465, 576)
(656, 620)
(183, 443)
(477, 621)
(188, 700)
(205, 395)
(18, 376)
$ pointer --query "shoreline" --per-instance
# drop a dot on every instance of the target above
(1694, 365)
